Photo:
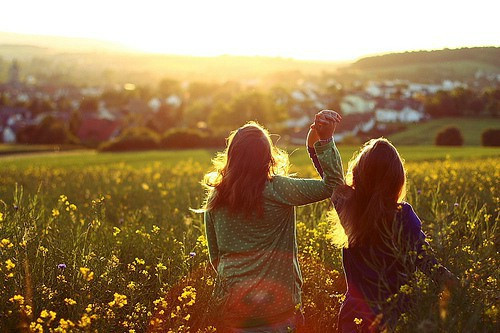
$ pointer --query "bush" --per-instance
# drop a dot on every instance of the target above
(491, 137)
(138, 138)
(49, 131)
(182, 138)
(449, 136)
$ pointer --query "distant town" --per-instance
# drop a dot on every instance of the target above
(42, 113)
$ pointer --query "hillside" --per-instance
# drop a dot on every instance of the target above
(424, 133)
(86, 62)
(486, 55)
(458, 64)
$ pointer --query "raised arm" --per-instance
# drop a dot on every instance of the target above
(296, 192)
(312, 138)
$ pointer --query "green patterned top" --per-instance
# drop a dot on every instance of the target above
(258, 274)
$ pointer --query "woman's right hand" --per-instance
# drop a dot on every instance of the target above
(325, 123)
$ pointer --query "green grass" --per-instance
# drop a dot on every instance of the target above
(299, 157)
(9, 149)
(424, 133)
(125, 218)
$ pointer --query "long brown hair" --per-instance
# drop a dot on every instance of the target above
(375, 184)
(242, 169)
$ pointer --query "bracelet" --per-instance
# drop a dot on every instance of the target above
(325, 141)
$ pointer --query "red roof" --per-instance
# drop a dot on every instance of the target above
(97, 130)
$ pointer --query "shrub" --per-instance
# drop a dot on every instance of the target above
(491, 137)
(138, 138)
(449, 136)
(49, 131)
(182, 138)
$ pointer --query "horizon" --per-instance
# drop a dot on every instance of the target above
(86, 44)
(316, 32)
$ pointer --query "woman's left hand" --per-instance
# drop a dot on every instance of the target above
(325, 123)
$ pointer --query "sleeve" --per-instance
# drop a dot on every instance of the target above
(425, 260)
(300, 191)
(314, 158)
(213, 248)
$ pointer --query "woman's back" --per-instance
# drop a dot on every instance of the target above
(259, 278)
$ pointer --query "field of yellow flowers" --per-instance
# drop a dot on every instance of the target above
(106, 242)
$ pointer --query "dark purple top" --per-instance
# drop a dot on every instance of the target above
(375, 273)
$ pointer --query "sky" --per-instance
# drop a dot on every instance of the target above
(320, 30)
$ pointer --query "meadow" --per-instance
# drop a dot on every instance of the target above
(107, 242)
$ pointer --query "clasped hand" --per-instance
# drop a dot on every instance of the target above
(325, 123)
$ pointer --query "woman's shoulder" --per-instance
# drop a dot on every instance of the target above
(408, 217)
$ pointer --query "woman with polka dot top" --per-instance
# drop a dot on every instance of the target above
(250, 227)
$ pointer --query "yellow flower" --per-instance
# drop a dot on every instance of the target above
(116, 231)
(86, 273)
(358, 321)
(119, 300)
(69, 301)
(17, 299)
(85, 321)
(9, 264)
(72, 207)
(161, 267)
(187, 317)
(1, 217)
(51, 315)
(55, 212)
(139, 261)
(6, 243)
(145, 186)
(36, 327)
(88, 309)
(406, 289)
(66, 324)
(43, 249)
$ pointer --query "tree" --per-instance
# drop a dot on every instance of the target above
(137, 138)
(163, 119)
(168, 87)
(491, 137)
(441, 104)
(197, 112)
(245, 107)
(49, 131)
(39, 105)
(449, 136)
(75, 121)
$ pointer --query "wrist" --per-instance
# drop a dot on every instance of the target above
(325, 140)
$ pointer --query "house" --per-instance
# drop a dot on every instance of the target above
(11, 119)
(93, 129)
(8, 135)
(298, 122)
(403, 111)
(357, 103)
(350, 125)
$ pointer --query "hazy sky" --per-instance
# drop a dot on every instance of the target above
(309, 29)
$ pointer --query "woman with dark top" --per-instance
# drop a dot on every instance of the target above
(250, 226)
(385, 242)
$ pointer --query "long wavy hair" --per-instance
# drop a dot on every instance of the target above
(240, 172)
(375, 185)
